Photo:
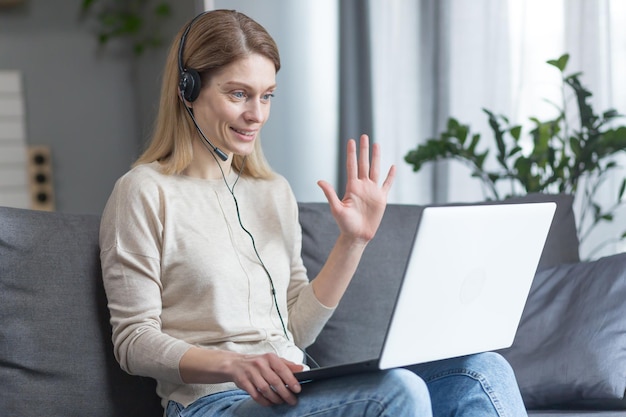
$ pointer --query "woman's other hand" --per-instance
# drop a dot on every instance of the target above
(266, 377)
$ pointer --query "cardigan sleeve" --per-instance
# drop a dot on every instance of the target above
(130, 242)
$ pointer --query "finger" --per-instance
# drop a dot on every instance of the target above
(290, 380)
(389, 180)
(284, 393)
(256, 394)
(267, 391)
(329, 192)
(274, 380)
(364, 157)
(283, 382)
(274, 387)
(351, 162)
(375, 167)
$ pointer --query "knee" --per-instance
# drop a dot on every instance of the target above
(490, 364)
(497, 389)
(409, 389)
(405, 379)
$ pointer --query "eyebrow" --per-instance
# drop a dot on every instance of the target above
(230, 84)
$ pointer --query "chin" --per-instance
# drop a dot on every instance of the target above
(244, 151)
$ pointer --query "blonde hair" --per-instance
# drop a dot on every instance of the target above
(215, 39)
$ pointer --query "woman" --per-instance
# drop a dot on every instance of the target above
(200, 248)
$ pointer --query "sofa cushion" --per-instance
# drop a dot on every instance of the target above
(570, 347)
(357, 328)
(56, 356)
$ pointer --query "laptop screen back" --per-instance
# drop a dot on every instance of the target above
(466, 282)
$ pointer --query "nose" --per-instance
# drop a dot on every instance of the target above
(255, 112)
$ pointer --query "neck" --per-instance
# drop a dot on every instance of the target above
(206, 165)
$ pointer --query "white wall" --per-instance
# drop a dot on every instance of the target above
(92, 108)
(13, 168)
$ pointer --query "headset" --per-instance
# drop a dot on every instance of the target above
(189, 79)
(189, 85)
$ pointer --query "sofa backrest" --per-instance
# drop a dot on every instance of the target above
(56, 355)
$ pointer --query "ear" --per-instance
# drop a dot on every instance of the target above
(189, 84)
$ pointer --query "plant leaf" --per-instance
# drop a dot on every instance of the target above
(560, 63)
(611, 114)
(516, 132)
(498, 134)
(87, 4)
(587, 116)
(163, 9)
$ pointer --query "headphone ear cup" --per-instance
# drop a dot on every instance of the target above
(189, 84)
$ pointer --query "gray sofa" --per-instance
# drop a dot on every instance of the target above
(56, 355)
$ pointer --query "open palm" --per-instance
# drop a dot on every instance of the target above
(360, 211)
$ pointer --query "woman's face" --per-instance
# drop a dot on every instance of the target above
(234, 106)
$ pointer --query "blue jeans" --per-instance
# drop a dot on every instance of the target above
(478, 385)
(472, 386)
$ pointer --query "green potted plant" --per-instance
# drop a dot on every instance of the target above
(136, 20)
(567, 155)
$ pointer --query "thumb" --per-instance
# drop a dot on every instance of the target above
(329, 192)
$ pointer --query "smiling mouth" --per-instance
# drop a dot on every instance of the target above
(244, 132)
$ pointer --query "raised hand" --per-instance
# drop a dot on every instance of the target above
(359, 213)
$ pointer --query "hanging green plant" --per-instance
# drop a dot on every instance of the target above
(565, 153)
(139, 21)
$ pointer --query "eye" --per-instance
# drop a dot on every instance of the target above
(239, 94)
(267, 97)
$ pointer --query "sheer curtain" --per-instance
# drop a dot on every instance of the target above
(438, 58)
(596, 38)
(398, 109)
(432, 59)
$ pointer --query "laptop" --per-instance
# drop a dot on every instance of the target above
(464, 288)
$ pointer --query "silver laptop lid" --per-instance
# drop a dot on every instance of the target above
(466, 282)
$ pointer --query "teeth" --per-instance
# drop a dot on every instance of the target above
(243, 132)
